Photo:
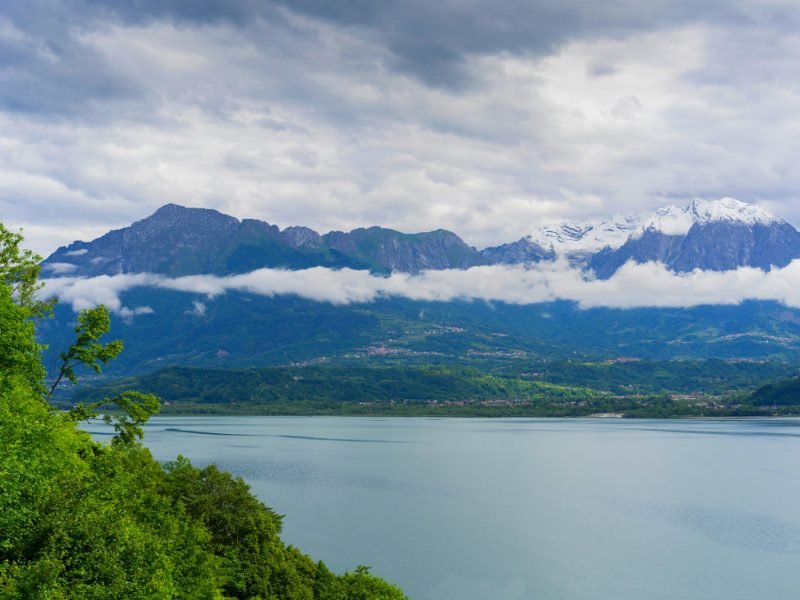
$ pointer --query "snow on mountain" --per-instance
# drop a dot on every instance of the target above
(572, 237)
(669, 220)
(730, 209)
(672, 220)
(580, 238)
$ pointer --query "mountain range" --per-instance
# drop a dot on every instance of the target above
(242, 328)
(708, 235)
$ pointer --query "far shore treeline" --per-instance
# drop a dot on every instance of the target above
(656, 389)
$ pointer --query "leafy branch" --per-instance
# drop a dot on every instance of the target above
(136, 406)
(87, 350)
(19, 269)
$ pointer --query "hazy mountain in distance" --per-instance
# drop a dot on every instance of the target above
(246, 329)
(187, 241)
(708, 235)
(573, 238)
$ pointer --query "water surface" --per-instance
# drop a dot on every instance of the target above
(556, 509)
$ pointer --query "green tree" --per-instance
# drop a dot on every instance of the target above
(85, 520)
(361, 585)
(19, 351)
(87, 350)
(19, 272)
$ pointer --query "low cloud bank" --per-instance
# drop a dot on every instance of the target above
(634, 285)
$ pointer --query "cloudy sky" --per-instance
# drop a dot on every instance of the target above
(486, 118)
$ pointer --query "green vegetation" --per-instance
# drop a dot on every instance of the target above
(561, 388)
(706, 377)
(82, 519)
(87, 350)
(782, 395)
(334, 385)
(242, 330)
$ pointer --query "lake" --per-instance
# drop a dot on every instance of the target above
(477, 509)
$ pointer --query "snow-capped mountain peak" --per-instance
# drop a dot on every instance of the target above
(581, 238)
(730, 209)
(572, 237)
(669, 220)
(719, 235)
(673, 220)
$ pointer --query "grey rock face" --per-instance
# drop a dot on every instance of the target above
(257, 228)
(179, 241)
(410, 253)
(340, 241)
(712, 246)
(174, 240)
(721, 246)
(519, 252)
(184, 241)
(300, 237)
(438, 249)
(651, 246)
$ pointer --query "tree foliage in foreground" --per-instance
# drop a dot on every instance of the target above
(82, 519)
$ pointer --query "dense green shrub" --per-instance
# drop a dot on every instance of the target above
(83, 519)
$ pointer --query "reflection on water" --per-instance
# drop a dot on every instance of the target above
(735, 432)
(751, 531)
(177, 430)
(525, 508)
(291, 437)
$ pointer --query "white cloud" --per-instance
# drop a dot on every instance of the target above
(334, 138)
(129, 313)
(634, 285)
(198, 309)
(59, 268)
(86, 293)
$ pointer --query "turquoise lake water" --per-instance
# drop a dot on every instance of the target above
(478, 509)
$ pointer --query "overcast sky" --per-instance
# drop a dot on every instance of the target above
(488, 118)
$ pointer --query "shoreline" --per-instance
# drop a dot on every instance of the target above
(431, 415)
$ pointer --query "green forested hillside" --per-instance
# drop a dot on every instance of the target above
(300, 388)
(240, 330)
(81, 519)
(333, 385)
(783, 393)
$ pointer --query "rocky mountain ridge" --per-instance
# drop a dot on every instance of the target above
(587, 237)
(175, 241)
(710, 236)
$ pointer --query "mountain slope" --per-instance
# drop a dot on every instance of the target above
(391, 250)
(713, 236)
(241, 329)
(520, 252)
(581, 238)
(719, 235)
(179, 241)
(238, 328)
(783, 393)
